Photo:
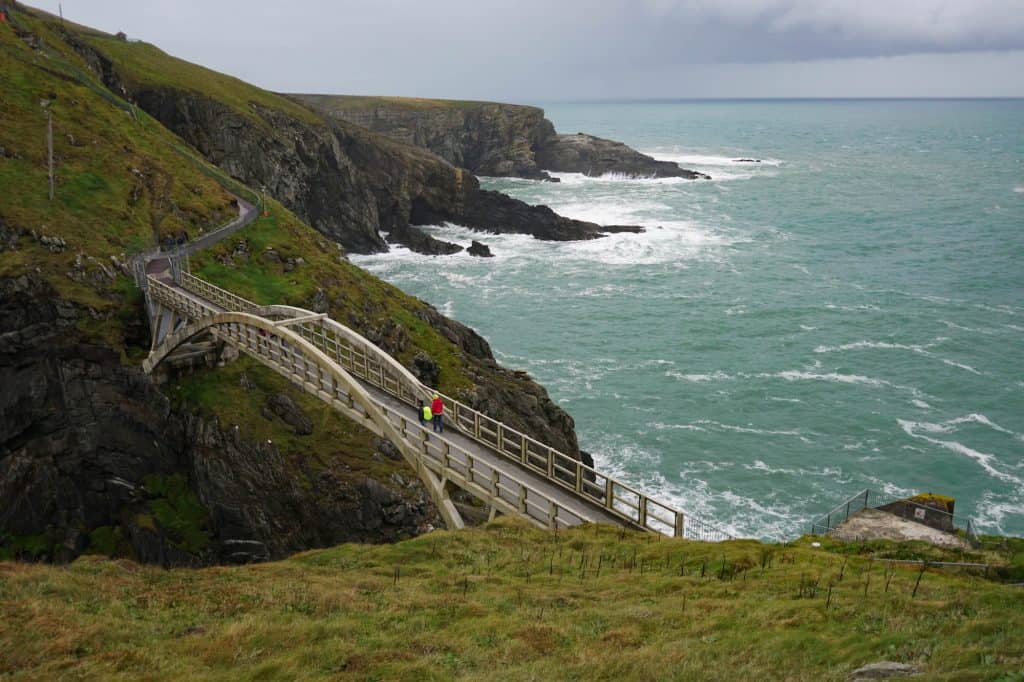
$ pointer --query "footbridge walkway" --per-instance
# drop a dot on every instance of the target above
(507, 470)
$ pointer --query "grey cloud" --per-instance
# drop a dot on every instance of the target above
(537, 49)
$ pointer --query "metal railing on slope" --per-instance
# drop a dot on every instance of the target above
(364, 360)
(847, 508)
(826, 524)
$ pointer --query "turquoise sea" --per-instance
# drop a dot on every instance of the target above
(846, 314)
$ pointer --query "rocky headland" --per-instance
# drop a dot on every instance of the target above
(222, 463)
(492, 139)
(350, 183)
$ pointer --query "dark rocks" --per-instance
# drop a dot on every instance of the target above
(480, 250)
(488, 138)
(93, 457)
(492, 139)
(388, 449)
(594, 156)
(495, 212)
(319, 302)
(419, 241)
(746, 160)
(425, 369)
(290, 413)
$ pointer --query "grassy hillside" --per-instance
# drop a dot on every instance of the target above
(245, 265)
(122, 180)
(147, 64)
(357, 102)
(511, 602)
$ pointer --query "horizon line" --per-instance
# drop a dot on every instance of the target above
(952, 98)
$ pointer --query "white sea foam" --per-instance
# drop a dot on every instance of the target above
(711, 159)
(1019, 189)
(718, 375)
(577, 179)
(885, 345)
(800, 375)
(795, 375)
(960, 365)
(952, 425)
(985, 460)
(858, 345)
(922, 404)
(747, 429)
(975, 330)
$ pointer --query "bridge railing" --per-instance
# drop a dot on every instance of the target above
(296, 359)
(363, 360)
(214, 294)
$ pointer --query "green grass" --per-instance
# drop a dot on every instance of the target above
(514, 603)
(356, 298)
(119, 180)
(177, 511)
(366, 102)
(147, 65)
(335, 439)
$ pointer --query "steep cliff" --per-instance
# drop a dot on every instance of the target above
(225, 463)
(94, 458)
(351, 184)
(492, 139)
(485, 137)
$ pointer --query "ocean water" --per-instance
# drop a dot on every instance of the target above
(846, 314)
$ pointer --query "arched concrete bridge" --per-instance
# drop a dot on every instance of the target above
(507, 470)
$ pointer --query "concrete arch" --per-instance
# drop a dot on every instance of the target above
(240, 329)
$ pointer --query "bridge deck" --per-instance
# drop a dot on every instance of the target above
(490, 460)
(592, 512)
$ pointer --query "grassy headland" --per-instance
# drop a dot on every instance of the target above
(512, 602)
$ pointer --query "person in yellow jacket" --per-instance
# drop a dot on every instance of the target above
(425, 414)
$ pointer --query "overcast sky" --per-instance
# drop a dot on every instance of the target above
(544, 50)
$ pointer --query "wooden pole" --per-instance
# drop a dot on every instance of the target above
(49, 148)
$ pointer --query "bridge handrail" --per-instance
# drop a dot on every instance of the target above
(622, 500)
(436, 452)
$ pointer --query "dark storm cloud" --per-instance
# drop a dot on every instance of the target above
(543, 49)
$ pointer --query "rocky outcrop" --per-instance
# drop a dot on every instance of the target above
(492, 139)
(419, 241)
(479, 250)
(351, 184)
(491, 211)
(485, 137)
(595, 156)
(93, 458)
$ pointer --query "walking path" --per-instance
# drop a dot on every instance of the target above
(509, 471)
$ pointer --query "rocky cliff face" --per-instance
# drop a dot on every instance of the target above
(595, 156)
(93, 458)
(493, 139)
(484, 137)
(350, 184)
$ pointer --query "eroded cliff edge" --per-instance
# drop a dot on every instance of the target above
(351, 184)
(492, 139)
(226, 462)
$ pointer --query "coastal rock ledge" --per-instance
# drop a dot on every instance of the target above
(595, 156)
(493, 139)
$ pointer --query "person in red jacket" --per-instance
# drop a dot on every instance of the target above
(437, 410)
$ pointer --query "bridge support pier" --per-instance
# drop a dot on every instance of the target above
(440, 492)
